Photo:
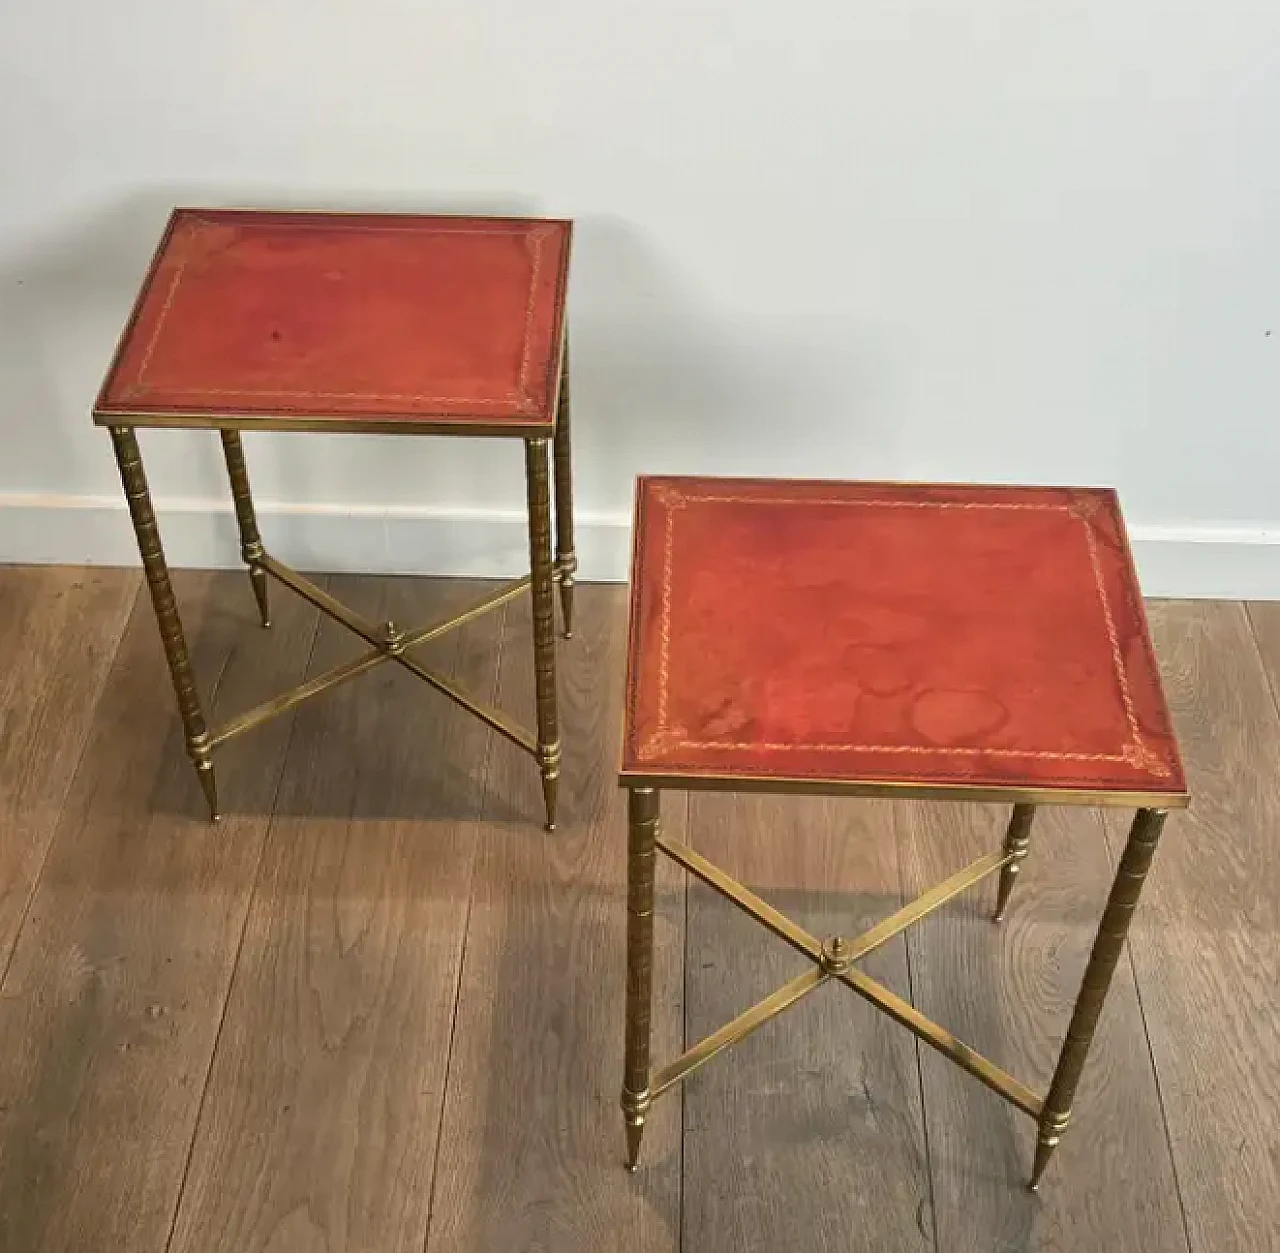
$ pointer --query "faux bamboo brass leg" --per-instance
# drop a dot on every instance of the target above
(642, 815)
(136, 493)
(1016, 843)
(250, 541)
(1134, 864)
(544, 627)
(566, 559)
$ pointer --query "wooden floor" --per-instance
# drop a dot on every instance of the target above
(378, 1008)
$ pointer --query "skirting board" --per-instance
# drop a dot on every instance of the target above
(1226, 562)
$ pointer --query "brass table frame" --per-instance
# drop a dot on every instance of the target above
(388, 641)
(836, 958)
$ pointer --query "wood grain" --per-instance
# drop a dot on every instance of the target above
(112, 1001)
(320, 1123)
(1206, 938)
(809, 1133)
(59, 629)
(532, 1146)
(1264, 619)
(347, 1108)
(1008, 990)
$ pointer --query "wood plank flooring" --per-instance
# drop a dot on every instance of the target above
(809, 1134)
(111, 1004)
(377, 1007)
(59, 629)
(530, 1153)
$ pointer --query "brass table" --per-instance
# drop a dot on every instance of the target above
(366, 324)
(887, 640)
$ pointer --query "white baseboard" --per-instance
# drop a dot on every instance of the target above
(1208, 562)
(1226, 562)
(201, 534)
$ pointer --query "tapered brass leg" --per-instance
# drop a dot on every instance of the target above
(566, 559)
(1017, 841)
(136, 493)
(250, 541)
(1134, 864)
(544, 627)
(642, 815)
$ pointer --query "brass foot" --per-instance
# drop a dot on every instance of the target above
(635, 1107)
(258, 580)
(204, 772)
(1051, 1129)
(549, 764)
(635, 1130)
(550, 788)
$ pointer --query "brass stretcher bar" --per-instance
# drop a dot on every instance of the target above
(834, 960)
(389, 644)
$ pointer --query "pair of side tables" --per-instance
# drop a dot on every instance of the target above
(962, 643)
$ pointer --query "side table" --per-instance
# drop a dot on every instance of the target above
(887, 640)
(365, 324)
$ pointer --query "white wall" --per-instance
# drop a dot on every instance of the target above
(999, 240)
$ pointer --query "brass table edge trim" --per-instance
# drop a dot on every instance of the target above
(428, 424)
(871, 789)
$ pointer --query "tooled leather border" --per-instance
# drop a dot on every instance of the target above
(536, 234)
(665, 739)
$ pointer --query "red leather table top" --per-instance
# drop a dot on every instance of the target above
(354, 322)
(982, 642)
